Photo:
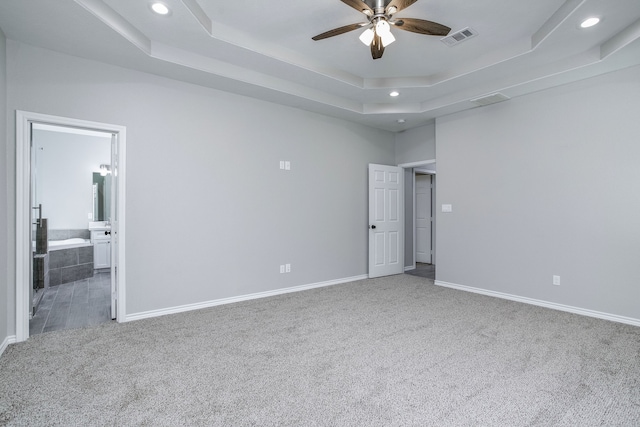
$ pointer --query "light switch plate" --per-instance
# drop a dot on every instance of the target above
(288, 268)
(287, 165)
(281, 164)
(447, 208)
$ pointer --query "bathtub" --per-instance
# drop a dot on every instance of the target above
(70, 260)
(56, 245)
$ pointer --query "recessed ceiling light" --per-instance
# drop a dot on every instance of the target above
(590, 22)
(394, 93)
(160, 8)
(401, 121)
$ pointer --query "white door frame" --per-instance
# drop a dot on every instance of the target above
(416, 172)
(24, 119)
(414, 165)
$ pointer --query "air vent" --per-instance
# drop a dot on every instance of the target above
(459, 36)
(489, 99)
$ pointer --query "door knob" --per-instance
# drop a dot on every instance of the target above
(373, 227)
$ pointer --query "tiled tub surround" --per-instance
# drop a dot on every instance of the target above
(70, 264)
(64, 234)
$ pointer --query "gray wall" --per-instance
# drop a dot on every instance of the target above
(546, 184)
(415, 145)
(209, 213)
(5, 303)
(65, 164)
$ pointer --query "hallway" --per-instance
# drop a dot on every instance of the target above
(423, 270)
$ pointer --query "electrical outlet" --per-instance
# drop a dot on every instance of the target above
(556, 280)
(281, 269)
(288, 268)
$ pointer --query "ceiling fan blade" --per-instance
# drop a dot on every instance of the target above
(422, 26)
(338, 31)
(360, 6)
(376, 47)
(399, 5)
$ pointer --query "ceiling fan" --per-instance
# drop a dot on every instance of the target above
(380, 19)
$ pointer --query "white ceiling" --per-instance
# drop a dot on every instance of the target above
(264, 49)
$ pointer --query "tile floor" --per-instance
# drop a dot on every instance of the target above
(74, 305)
(424, 270)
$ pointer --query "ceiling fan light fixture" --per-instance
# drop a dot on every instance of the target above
(394, 93)
(382, 27)
(367, 36)
(384, 31)
(387, 39)
(377, 30)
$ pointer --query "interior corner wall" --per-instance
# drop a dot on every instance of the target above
(5, 272)
(209, 213)
(546, 184)
(416, 145)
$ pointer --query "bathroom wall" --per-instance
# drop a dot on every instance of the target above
(209, 213)
(65, 163)
(6, 277)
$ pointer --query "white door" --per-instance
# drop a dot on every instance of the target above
(114, 225)
(423, 218)
(386, 220)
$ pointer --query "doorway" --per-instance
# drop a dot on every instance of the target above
(81, 218)
(423, 218)
(424, 221)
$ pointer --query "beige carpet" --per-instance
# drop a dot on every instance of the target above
(392, 351)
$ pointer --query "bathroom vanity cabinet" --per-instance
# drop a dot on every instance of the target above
(101, 248)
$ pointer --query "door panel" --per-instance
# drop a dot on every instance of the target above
(386, 216)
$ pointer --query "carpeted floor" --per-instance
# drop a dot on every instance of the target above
(390, 351)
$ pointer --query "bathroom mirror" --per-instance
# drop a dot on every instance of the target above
(101, 197)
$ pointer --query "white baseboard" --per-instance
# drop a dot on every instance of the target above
(213, 303)
(11, 339)
(541, 303)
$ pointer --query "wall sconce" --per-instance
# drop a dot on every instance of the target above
(105, 170)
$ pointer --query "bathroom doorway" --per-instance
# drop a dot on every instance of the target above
(71, 198)
(69, 225)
